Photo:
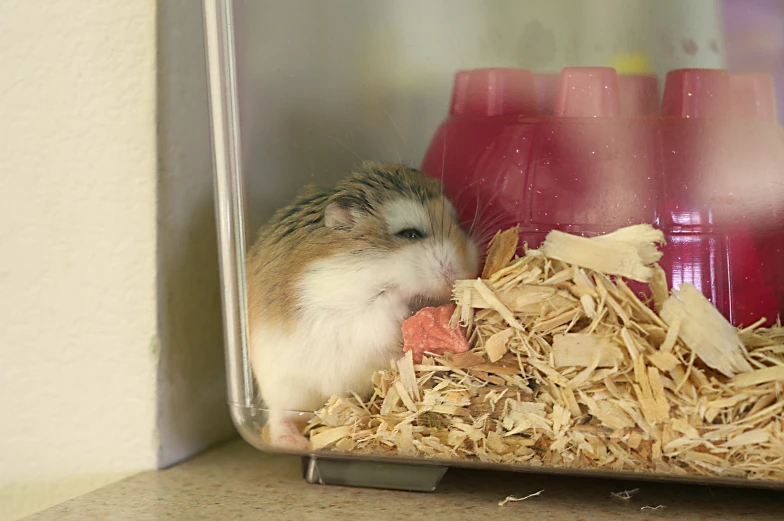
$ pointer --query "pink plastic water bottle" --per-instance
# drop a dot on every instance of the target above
(588, 152)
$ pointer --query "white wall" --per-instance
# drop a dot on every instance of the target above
(77, 236)
(667, 34)
(110, 343)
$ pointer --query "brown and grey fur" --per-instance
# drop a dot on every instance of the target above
(332, 277)
(296, 235)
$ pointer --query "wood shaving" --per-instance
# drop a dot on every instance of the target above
(514, 499)
(625, 494)
(623, 252)
(500, 251)
(570, 368)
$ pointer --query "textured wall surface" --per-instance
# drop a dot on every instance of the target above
(111, 352)
(78, 354)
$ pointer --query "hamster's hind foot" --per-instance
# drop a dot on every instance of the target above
(291, 442)
(285, 435)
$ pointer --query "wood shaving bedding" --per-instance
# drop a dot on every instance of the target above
(568, 367)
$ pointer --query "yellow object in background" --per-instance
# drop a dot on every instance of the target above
(631, 63)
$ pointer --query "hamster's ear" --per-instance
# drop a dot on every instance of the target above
(338, 215)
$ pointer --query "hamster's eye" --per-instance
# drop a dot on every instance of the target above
(410, 233)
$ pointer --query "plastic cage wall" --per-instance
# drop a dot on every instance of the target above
(581, 117)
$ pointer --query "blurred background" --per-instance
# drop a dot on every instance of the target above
(354, 80)
(111, 355)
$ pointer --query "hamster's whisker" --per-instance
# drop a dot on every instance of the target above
(397, 129)
(443, 215)
(490, 225)
(480, 209)
(398, 154)
(473, 221)
(443, 173)
(477, 212)
(484, 237)
(443, 163)
(344, 145)
(458, 198)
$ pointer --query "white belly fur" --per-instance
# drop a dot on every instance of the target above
(343, 334)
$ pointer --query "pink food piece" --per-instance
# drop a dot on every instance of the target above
(428, 331)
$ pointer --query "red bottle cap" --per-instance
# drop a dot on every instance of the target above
(697, 93)
(457, 106)
(585, 92)
(753, 96)
(494, 92)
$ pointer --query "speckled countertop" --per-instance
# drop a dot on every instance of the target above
(236, 481)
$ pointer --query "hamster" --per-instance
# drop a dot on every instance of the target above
(332, 277)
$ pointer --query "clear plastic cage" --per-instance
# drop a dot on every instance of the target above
(580, 117)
